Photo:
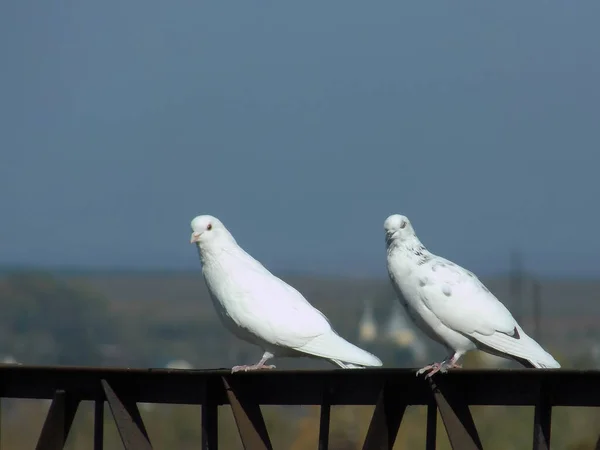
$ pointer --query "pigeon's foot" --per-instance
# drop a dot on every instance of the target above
(431, 369)
(251, 367)
(434, 368)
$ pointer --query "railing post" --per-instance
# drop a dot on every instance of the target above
(248, 417)
(325, 417)
(542, 420)
(210, 418)
(386, 420)
(431, 427)
(457, 419)
(98, 424)
(58, 422)
(128, 420)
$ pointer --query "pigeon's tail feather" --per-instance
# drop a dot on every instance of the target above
(347, 366)
(520, 347)
(340, 351)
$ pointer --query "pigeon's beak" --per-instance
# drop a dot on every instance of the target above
(195, 237)
(390, 235)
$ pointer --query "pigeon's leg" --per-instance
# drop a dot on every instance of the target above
(258, 366)
(448, 363)
(452, 362)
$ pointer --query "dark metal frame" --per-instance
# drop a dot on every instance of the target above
(390, 390)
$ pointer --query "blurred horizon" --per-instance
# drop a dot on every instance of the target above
(503, 273)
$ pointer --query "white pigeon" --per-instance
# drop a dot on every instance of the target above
(262, 309)
(452, 306)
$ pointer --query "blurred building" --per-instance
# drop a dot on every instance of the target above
(179, 364)
(395, 341)
(9, 359)
(397, 330)
(400, 332)
(367, 327)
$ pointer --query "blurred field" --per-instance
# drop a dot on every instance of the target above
(296, 428)
(570, 310)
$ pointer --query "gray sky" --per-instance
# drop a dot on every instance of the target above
(302, 126)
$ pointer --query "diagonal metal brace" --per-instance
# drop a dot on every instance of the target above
(58, 422)
(457, 419)
(385, 422)
(248, 417)
(128, 420)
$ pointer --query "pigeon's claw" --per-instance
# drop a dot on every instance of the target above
(431, 369)
(434, 368)
(249, 368)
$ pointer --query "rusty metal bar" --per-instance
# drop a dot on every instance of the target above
(210, 418)
(542, 420)
(325, 418)
(98, 424)
(386, 420)
(457, 419)
(511, 387)
(58, 422)
(248, 417)
(128, 420)
(431, 437)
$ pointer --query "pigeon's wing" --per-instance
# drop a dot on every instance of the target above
(464, 304)
(294, 323)
(276, 313)
(461, 301)
(274, 310)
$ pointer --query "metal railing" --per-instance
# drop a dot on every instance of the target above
(390, 390)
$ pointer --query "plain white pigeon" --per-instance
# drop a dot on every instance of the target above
(452, 306)
(262, 309)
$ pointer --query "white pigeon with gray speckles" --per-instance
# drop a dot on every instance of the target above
(451, 305)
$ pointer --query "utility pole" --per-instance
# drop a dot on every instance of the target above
(537, 310)
(516, 284)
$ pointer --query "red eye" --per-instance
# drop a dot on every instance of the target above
(209, 226)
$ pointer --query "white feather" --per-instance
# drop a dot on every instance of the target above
(332, 346)
(523, 348)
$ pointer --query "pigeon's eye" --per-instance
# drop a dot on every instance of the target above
(403, 225)
(209, 226)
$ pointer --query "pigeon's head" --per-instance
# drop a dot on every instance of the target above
(207, 229)
(398, 227)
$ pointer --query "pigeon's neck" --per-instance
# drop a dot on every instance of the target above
(411, 249)
(214, 251)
